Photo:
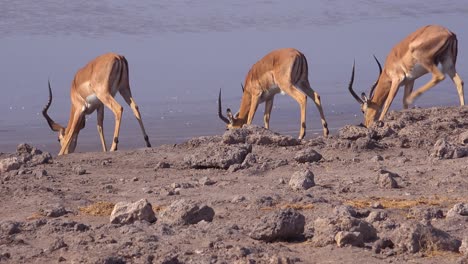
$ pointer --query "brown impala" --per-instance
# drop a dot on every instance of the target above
(94, 86)
(417, 54)
(280, 71)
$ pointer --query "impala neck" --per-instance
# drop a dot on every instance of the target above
(244, 107)
(376, 103)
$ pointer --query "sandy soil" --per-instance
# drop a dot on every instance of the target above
(411, 172)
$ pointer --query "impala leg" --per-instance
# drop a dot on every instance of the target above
(100, 121)
(253, 108)
(127, 95)
(117, 109)
(316, 98)
(408, 89)
(391, 95)
(458, 83)
(72, 133)
(301, 99)
(266, 116)
(437, 77)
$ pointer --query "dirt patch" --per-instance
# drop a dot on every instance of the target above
(232, 198)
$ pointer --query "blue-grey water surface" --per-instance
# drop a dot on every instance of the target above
(182, 52)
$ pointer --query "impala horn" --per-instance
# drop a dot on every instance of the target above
(242, 86)
(350, 87)
(54, 126)
(220, 114)
(371, 94)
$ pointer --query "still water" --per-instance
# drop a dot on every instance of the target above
(182, 52)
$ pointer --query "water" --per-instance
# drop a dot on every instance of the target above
(181, 53)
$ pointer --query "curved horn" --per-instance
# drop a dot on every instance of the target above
(54, 126)
(242, 86)
(376, 82)
(350, 87)
(220, 114)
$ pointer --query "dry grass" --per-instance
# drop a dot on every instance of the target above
(35, 216)
(98, 209)
(399, 203)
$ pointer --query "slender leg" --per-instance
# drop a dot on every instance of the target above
(437, 77)
(73, 132)
(127, 95)
(391, 95)
(316, 98)
(301, 99)
(458, 83)
(253, 108)
(266, 116)
(100, 121)
(408, 89)
(117, 109)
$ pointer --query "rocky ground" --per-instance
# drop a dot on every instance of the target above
(391, 194)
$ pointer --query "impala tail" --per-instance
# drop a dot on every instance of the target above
(54, 126)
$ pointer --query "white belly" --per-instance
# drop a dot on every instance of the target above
(92, 102)
(268, 94)
(416, 72)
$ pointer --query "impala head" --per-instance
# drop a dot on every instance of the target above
(368, 108)
(232, 121)
(56, 127)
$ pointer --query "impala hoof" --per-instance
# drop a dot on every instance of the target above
(380, 123)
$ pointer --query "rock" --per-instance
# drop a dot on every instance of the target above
(386, 179)
(463, 138)
(256, 135)
(57, 244)
(415, 237)
(382, 243)
(352, 132)
(249, 160)
(112, 260)
(376, 216)
(344, 238)
(444, 150)
(127, 213)
(302, 180)
(162, 165)
(280, 260)
(238, 199)
(458, 209)
(307, 155)
(344, 210)
(462, 260)
(40, 173)
(9, 164)
(282, 225)
(24, 148)
(217, 156)
(327, 228)
(464, 246)
(206, 181)
(377, 205)
(365, 143)
(55, 211)
(419, 213)
(79, 170)
(377, 158)
(9, 228)
(187, 212)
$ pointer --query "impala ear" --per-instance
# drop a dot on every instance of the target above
(364, 97)
(229, 115)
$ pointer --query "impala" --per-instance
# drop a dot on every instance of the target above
(419, 53)
(94, 87)
(280, 71)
